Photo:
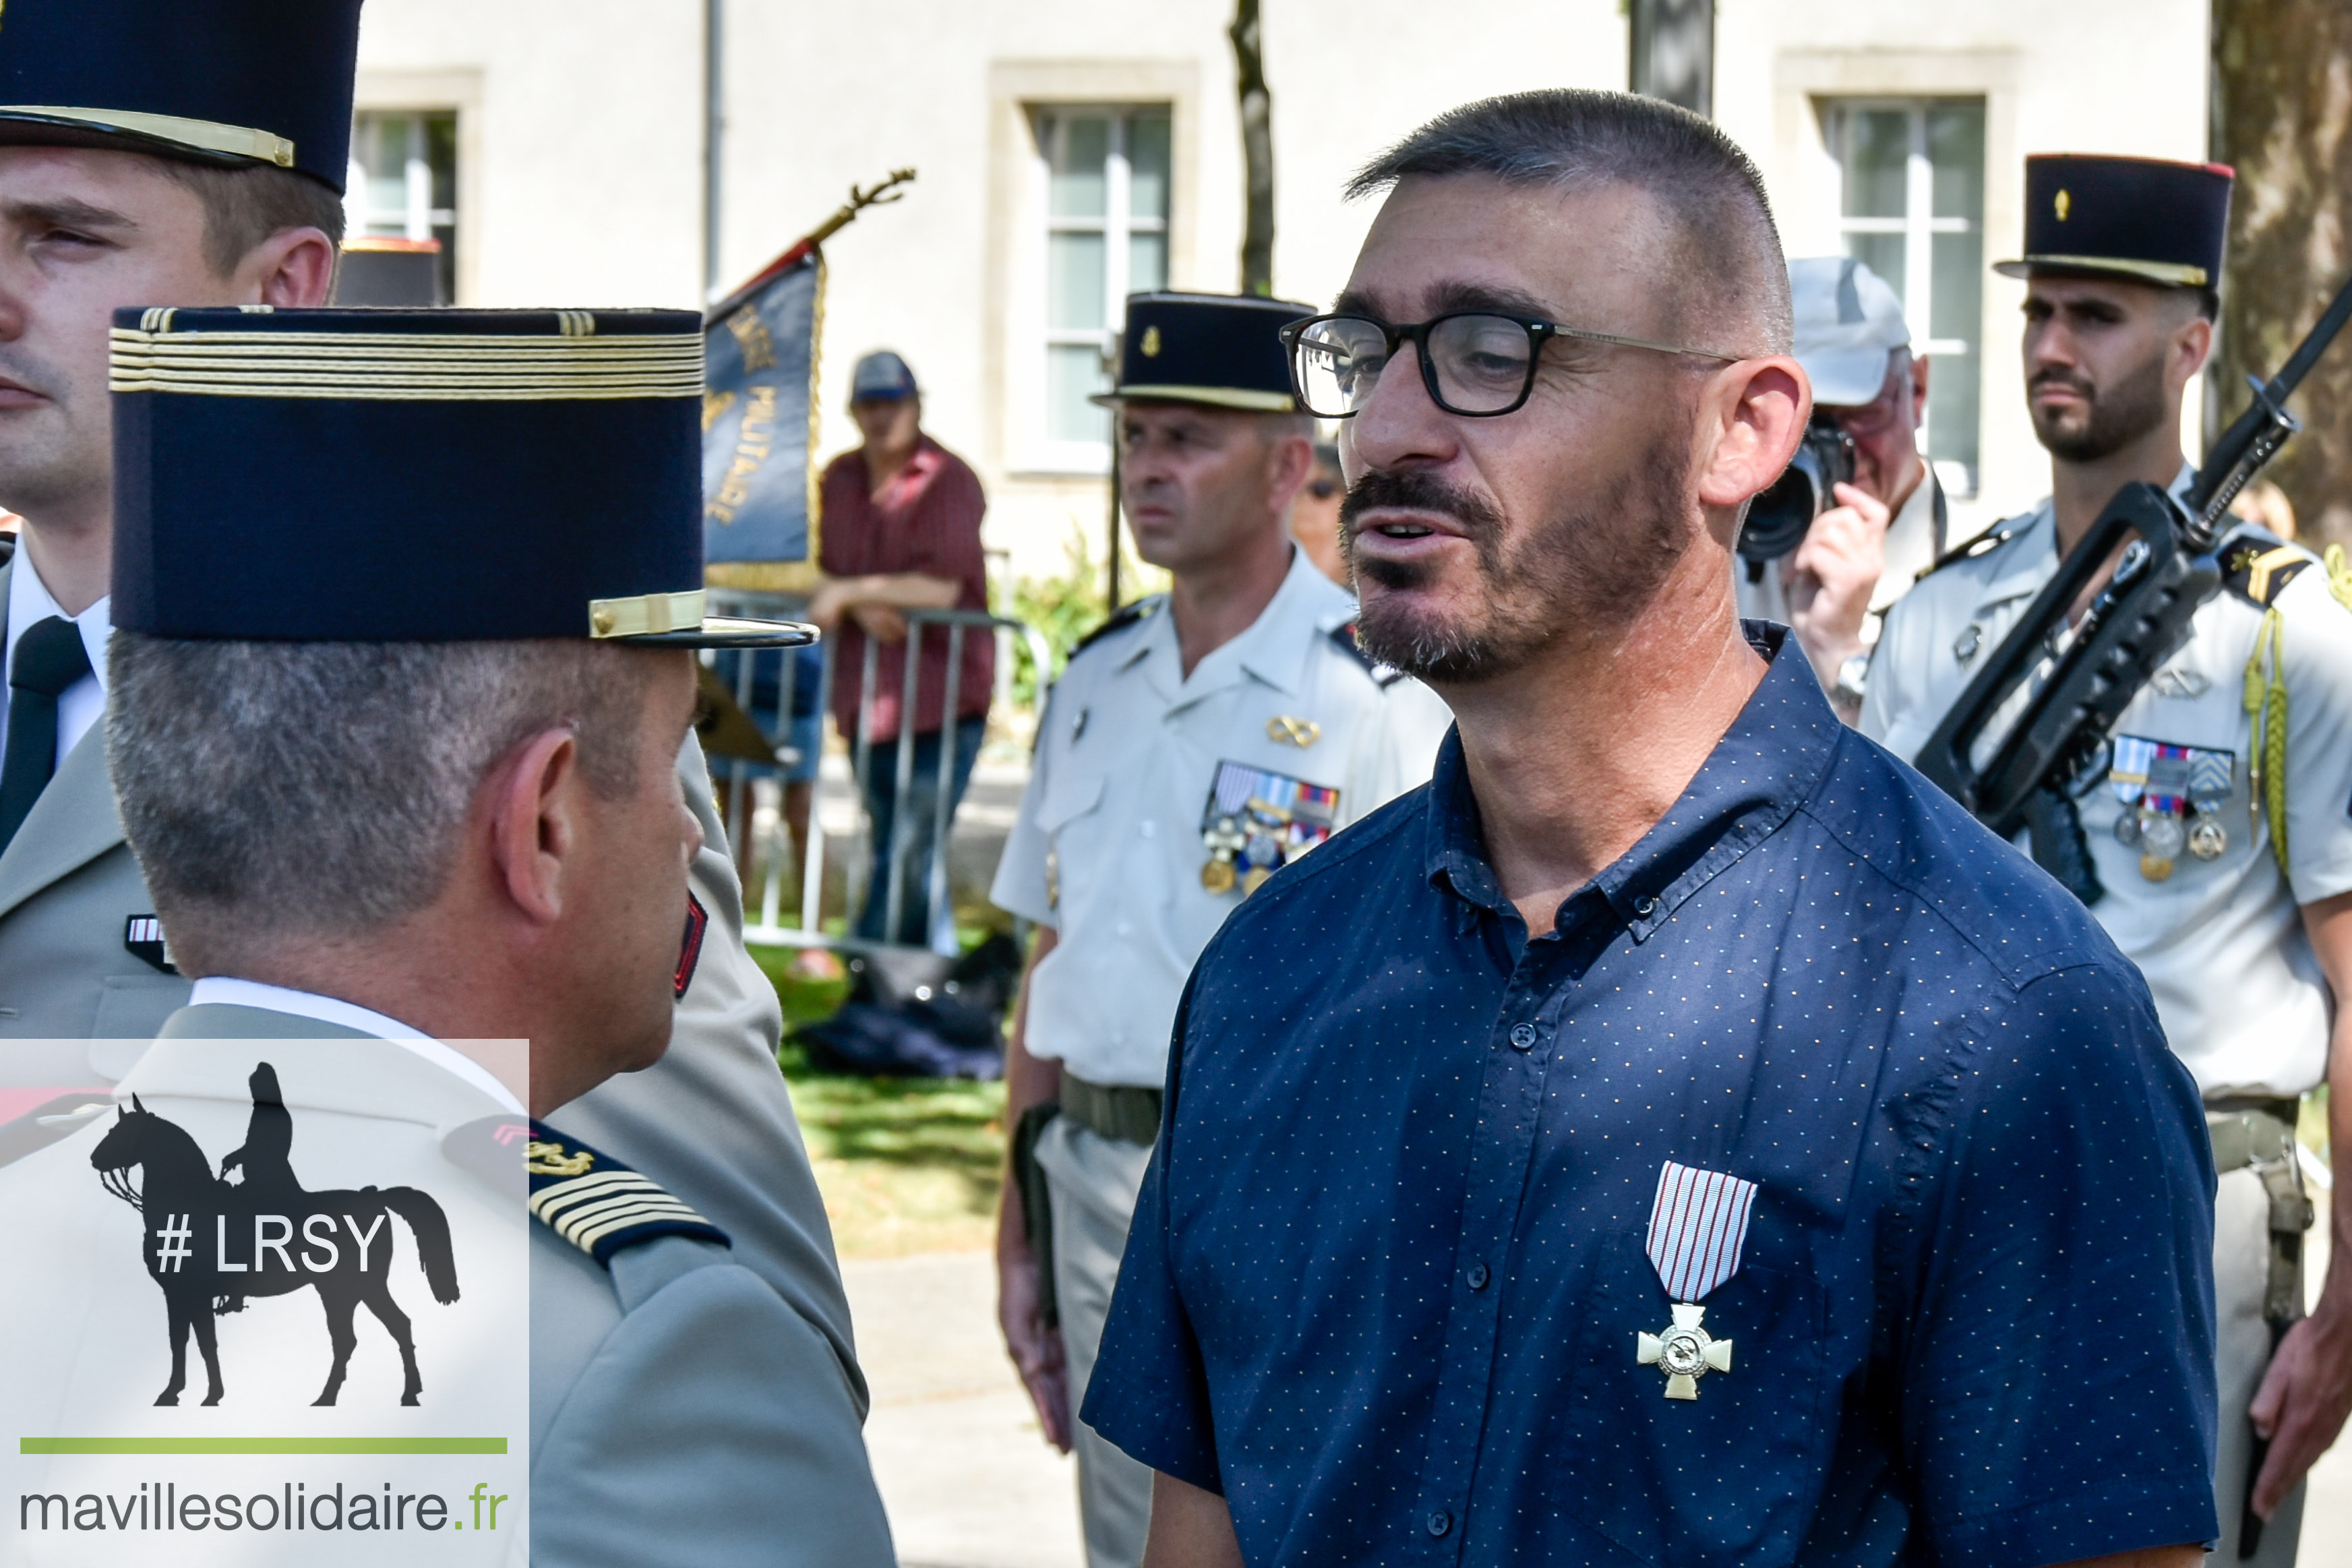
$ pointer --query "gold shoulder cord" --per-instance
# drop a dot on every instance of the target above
(2265, 700)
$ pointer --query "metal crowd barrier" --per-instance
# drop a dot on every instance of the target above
(767, 860)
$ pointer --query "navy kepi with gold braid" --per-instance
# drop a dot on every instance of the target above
(413, 476)
(219, 81)
(599, 1205)
(1222, 350)
(2137, 218)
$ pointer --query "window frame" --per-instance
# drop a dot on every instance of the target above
(1918, 227)
(1048, 123)
(417, 217)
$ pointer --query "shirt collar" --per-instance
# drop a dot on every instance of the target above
(1273, 648)
(1767, 766)
(30, 603)
(225, 991)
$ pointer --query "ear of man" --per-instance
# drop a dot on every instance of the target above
(535, 805)
(1290, 460)
(1751, 416)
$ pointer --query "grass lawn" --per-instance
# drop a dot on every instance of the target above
(906, 1164)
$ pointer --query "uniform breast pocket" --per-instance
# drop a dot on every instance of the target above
(1728, 1476)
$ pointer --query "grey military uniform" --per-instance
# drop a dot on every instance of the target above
(69, 889)
(673, 1405)
(2217, 931)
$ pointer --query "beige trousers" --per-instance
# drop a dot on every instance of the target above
(2242, 1260)
(1093, 1181)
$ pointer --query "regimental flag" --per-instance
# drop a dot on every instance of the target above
(1697, 1227)
(759, 429)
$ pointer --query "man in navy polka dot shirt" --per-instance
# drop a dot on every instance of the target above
(1677, 1133)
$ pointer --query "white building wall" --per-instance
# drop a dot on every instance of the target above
(581, 174)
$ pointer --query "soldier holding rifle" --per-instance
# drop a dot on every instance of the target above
(2215, 830)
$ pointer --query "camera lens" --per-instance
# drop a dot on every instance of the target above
(1778, 517)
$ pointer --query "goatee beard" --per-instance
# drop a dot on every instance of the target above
(2116, 416)
(1589, 570)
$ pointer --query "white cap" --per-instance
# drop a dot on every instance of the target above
(1847, 321)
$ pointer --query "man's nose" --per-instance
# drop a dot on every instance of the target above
(1399, 425)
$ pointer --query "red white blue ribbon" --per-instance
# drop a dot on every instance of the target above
(1696, 1229)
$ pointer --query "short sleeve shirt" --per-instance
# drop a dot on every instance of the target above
(1391, 1264)
(926, 519)
(1107, 848)
(2221, 940)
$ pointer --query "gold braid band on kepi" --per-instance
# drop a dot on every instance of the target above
(406, 366)
(202, 135)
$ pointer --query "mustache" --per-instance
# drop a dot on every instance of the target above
(1409, 490)
(2073, 381)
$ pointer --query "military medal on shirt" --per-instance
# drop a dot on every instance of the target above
(1698, 1226)
(1257, 822)
(2172, 797)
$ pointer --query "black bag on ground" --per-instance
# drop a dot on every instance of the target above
(913, 1013)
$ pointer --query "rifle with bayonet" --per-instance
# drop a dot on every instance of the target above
(2031, 776)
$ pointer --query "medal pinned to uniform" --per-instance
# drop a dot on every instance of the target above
(1257, 822)
(1697, 1227)
(2172, 796)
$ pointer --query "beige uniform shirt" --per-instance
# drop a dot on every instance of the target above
(2221, 940)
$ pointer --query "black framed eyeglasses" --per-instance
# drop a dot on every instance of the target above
(1476, 363)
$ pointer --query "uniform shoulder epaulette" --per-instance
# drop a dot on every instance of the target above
(1129, 615)
(599, 1205)
(2256, 564)
(1383, 675)
(1969, 549)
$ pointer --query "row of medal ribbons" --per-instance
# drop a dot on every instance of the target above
(2172, 797)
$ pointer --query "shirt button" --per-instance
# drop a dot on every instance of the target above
(1440, 1521)
(1477, 1276)
(1523, 1037)
(1645, 906)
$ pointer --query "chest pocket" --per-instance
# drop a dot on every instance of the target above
(1730, 1476)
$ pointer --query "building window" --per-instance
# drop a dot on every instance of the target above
(1912, 207)
(404, 181)
(1106, 178)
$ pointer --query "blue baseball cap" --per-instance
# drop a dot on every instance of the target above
(881, 376)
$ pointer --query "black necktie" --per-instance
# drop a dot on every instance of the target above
(49, 658)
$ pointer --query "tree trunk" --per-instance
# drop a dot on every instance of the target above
(1257, 151)
(2282, 113)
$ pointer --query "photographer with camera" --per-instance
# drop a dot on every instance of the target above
(1859, 514)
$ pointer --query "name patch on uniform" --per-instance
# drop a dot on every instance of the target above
(1256, 822)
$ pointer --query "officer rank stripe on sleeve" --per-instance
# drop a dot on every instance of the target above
(599, 1205)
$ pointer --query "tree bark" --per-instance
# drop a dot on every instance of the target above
(1257, 151)
(2282, 114)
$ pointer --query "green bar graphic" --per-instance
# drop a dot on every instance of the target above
(261, 1446)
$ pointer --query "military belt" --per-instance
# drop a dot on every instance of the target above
(2258, 1133)
(1119, 1111)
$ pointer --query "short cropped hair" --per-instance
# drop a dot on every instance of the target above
(247, 204)
(1726, 262)
(321, 789)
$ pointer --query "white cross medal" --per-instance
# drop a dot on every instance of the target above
(1696, 1229)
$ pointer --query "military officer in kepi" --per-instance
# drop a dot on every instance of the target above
(400, 680)
(203, 167)
(2220, 833)
(1200, 742)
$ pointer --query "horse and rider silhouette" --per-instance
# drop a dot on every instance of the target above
(341, 1243)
